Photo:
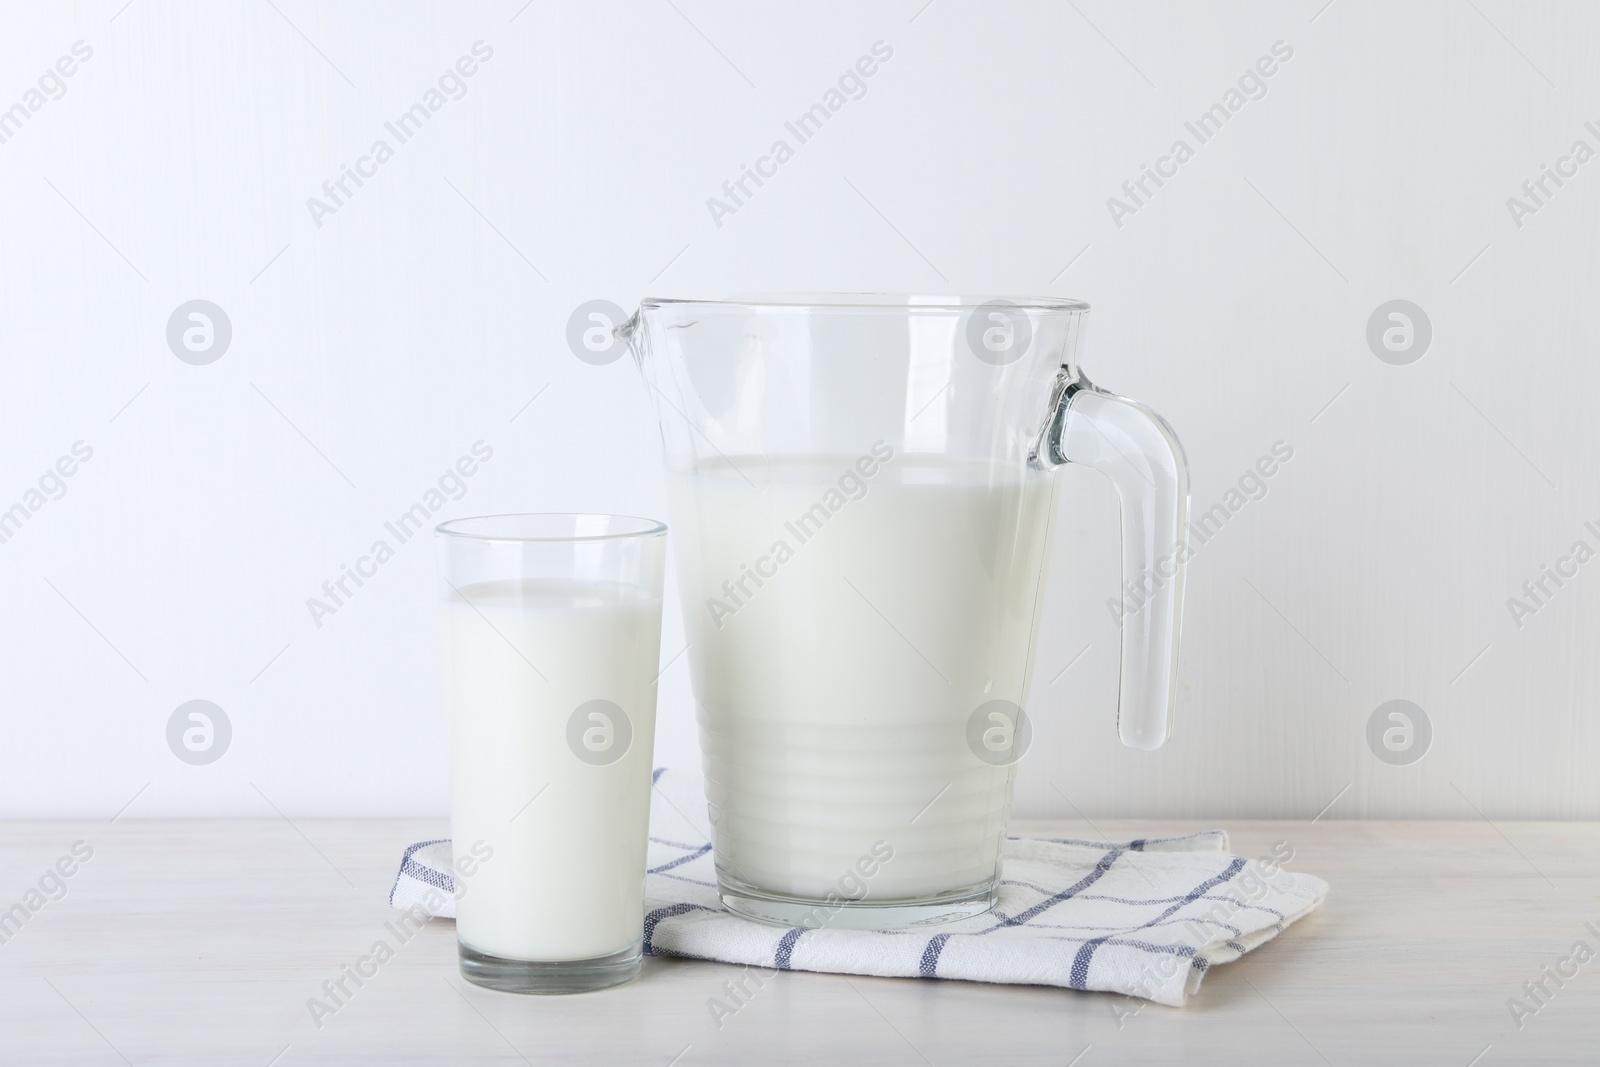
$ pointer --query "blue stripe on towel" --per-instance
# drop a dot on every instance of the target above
(1200, 890)
(668, 912)
(929, 967)
(784, 953)
(1185, 899)
(681, 860)
(413, 869)
(674, 844)
(1073, 890)
(1080, 963)
(691, 881)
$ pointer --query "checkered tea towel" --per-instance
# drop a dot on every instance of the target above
(1145, 918)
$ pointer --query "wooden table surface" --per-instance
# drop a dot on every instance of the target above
(201, 942)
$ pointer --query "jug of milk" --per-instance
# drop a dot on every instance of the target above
(862, 493)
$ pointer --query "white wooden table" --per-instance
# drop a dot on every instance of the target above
(201, 942)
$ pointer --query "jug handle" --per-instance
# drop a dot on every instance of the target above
(1138, 451)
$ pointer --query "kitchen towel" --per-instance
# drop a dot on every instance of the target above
(1145, 918)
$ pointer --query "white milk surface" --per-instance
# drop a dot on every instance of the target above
(566, 876)
(834, 696)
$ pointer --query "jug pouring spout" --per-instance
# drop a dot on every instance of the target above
(627, 332)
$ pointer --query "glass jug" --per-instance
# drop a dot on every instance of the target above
(861, 500)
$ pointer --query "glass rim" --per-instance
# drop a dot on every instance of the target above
(900, 302)
(460, 529)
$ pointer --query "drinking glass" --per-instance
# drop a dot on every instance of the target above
(554, 626)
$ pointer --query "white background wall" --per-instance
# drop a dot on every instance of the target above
(368, 353)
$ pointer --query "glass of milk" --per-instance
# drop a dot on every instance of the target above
(554, 629)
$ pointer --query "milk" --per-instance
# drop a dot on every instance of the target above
(566, 876)
(838, 654)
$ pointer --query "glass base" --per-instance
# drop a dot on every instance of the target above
(551, 976)
(779, 910)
